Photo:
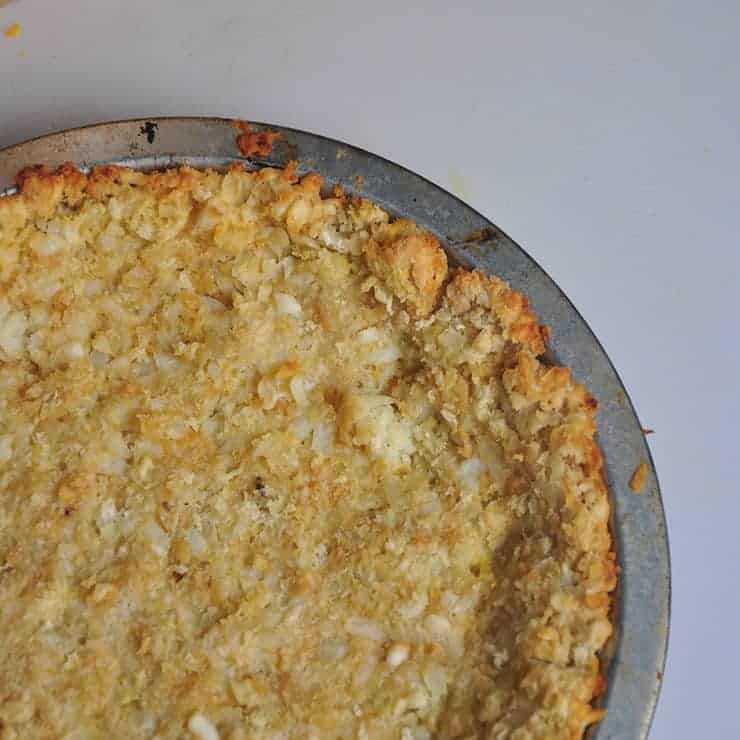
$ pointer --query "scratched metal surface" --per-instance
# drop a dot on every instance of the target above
(636, 655)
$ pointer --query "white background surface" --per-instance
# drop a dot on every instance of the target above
(603, 136)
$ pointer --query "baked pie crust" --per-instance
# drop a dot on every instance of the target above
(270, 468)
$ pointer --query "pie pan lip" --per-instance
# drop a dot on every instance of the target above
(634, 659)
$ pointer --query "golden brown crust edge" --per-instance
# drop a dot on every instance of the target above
(533, 381)
(411, 262)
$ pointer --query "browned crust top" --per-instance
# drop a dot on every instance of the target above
(478, 345)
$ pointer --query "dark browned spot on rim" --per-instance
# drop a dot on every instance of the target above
(481, 235)
(149, 129)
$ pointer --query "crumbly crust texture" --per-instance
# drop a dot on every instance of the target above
(270, 469)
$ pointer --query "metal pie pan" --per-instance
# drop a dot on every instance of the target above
(635, 656)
